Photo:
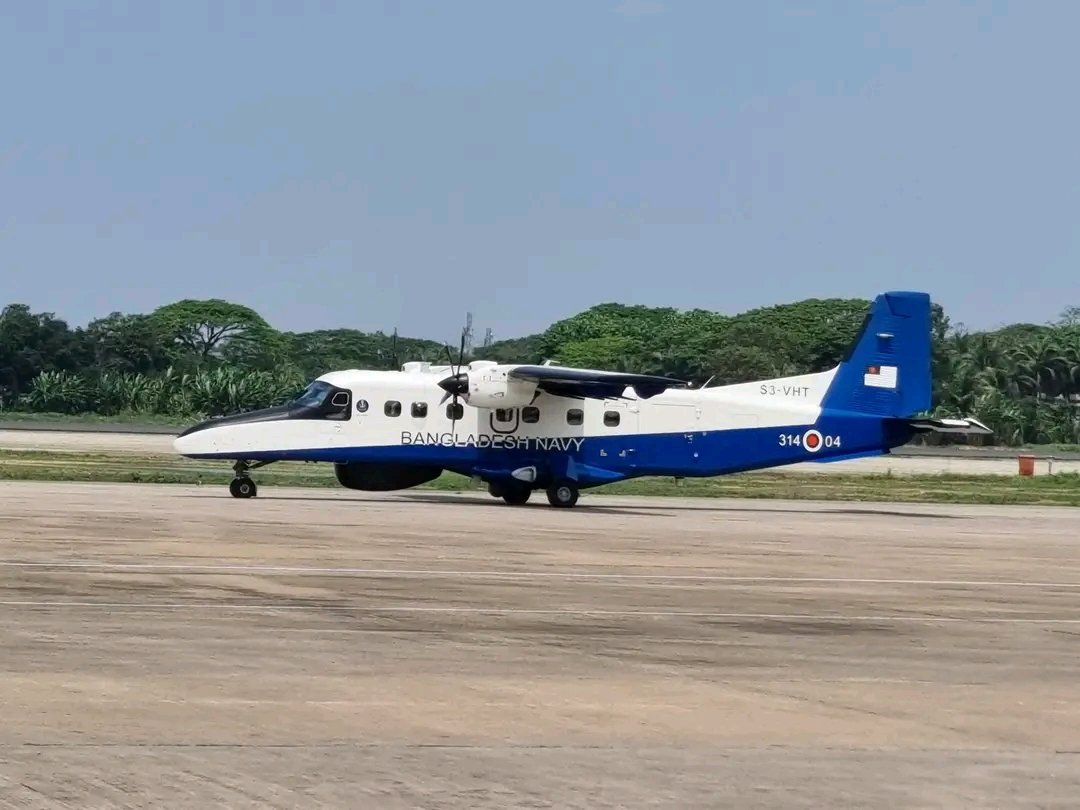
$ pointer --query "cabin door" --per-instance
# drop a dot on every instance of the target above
(620, 444)
(676, 441)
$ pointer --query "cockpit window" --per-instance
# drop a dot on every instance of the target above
(314, 395)
(320, 400)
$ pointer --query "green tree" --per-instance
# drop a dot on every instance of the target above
(528, 349)
(214, 329)
(32, 343)
(130, 343)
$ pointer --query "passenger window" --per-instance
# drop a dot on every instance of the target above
(530, 413)
(504, 414)
(392, 408)
(455, 410)
(611, 418)
(575, 416)
(419, 410)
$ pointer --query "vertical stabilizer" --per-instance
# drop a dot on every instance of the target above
(887, 370)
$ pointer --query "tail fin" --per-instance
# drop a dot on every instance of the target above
(887, 369)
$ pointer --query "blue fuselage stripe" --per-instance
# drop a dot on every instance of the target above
(689, 454)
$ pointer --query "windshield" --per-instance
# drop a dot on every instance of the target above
(313, 396)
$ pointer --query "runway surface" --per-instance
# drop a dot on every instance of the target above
(904, 461)
(173, 647)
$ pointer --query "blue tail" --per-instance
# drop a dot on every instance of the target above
(887, 370)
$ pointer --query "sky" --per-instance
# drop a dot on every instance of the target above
(375, 165)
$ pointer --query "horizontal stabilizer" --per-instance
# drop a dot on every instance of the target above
(972, 427)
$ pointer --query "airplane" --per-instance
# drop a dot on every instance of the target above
(521, 428)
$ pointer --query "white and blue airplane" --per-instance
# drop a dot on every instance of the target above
(522, 428)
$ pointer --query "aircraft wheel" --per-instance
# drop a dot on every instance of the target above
(562, 494)
(516, 496)
(496, 490)
(243, 488)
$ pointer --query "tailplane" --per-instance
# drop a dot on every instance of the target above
(966, 426)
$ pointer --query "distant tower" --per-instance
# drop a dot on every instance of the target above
(468, 334)
(489, 337)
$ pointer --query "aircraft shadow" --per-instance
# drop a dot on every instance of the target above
(868, 512)
(451, 500)
(669, 510)
(539, 503)
(717, 505)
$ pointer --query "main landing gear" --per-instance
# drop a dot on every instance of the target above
(242, 486)
(513, 494)
(562, 494)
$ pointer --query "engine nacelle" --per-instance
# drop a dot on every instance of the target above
(492, 388)
(381, 477)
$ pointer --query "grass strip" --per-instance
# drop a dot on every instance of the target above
(1058, 490)
(127, 420)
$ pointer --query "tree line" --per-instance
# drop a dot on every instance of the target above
(197, 358)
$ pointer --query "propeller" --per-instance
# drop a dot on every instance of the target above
(457, 384)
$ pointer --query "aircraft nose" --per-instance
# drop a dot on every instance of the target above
(185, 444)
(197, 440)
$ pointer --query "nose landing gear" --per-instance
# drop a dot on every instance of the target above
(242, 486)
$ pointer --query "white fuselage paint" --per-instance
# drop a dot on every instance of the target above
(790, 401)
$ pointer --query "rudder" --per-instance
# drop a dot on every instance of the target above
(887, 370)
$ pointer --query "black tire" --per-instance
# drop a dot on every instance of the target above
(243, 488)
(516, 496)
(562, 494)
(496, 490)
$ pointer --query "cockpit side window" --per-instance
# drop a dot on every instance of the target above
(339, 405)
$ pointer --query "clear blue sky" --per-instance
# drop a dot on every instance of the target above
(381, 164)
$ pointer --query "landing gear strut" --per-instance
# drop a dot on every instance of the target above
(562, 494)
(242, 486)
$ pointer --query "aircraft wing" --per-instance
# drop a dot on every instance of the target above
(582, 382)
